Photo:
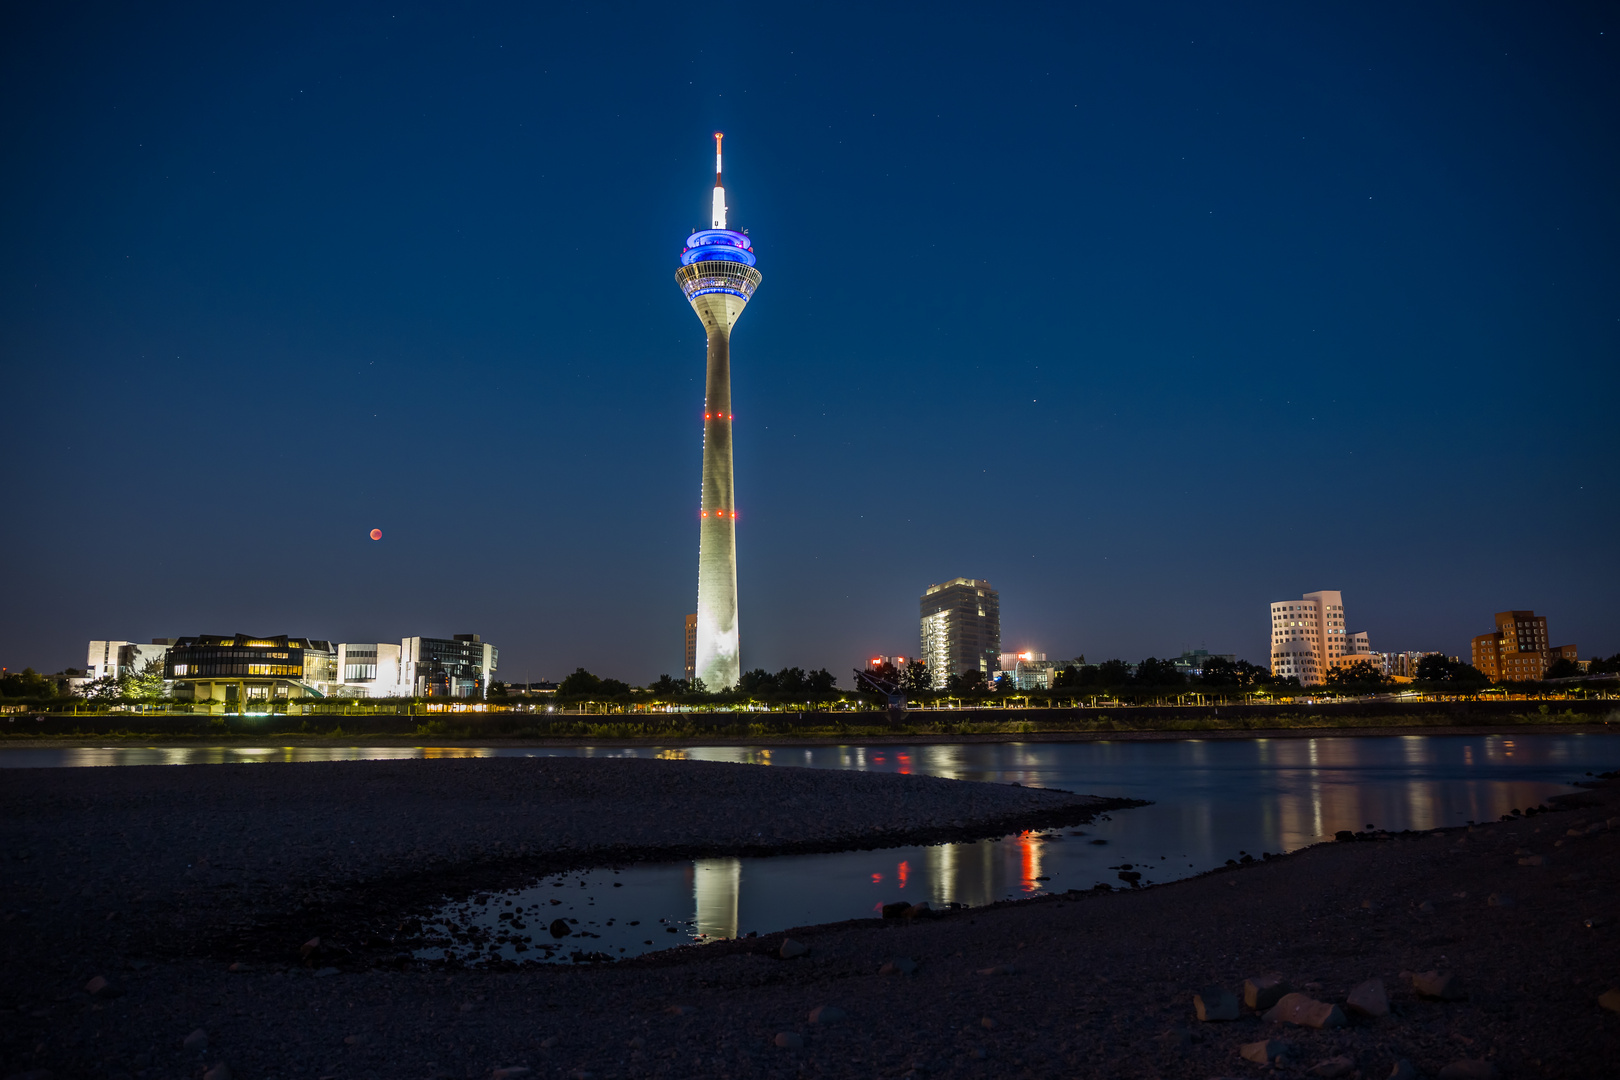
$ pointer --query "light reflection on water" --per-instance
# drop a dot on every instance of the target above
(1212, 800)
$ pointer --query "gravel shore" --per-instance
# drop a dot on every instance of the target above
(159, 879)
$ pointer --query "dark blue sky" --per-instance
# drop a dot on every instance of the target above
(1149, 314)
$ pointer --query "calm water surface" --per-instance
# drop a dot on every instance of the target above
(1212, 800)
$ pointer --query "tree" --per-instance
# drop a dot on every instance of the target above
(145, 686)
(613, 688)
(917, 678)
(966, 682)
(1361, 674)
(1113, 674)
(1159, 673)
(757, 683)
(1233, 673)
(667, 687)
(1006, 684)
(26, 683)
(580, 684)
(1599, 666)
(821, 683)
(1435, 668)
(1563, 668)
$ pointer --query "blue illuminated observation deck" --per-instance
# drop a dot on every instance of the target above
(718, 261)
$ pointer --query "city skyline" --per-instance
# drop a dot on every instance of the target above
(276, 279)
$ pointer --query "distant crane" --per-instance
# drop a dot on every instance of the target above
(878, 682)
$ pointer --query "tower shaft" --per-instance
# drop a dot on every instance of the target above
(718, 653)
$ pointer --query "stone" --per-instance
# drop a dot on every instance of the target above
(789, 1040)
(1333, 1067)
(1438, 986)
(827, 1014)
(1177, 1037)
(904, 965)
(1215, 1003)
(681, 1010)
(1497, 899)
(1265, 1051)
(197, 1040)
(102, 987)
(987, 1023)
(1263, 991)
(1469, 1069)
(999, 969)
(220, 1071)
(896, 909)
(1427, 907)
(354, 1040)
(325, 972)
(508, 1072)
(1610, 999)
(549, 1042)
(1305, 1011)
(308, 948)
(1533, 860)
(791, 948)
(1403, 1070)
(1369, 999)
(919, 911)
(559, 928)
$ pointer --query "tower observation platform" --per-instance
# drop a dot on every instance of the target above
(718, 277)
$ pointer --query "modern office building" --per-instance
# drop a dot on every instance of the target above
(239, 671)
(1518, 648)
(961, 629)
(691, 647)
(115, 659)
(459, 667)
(1308, 638)
(369, 669)
(1192, 663)
(718, 278)
(1028, 670)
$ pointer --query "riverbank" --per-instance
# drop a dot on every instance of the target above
(160, 879)
(876, 737)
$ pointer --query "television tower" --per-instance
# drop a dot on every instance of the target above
(718, 277)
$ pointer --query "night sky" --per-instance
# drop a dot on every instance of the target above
(1151, 314)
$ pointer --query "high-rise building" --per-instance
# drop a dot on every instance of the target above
(691, 647)
(1518, 649)
(718, 277)
(369, 669)
(961, 629)
(461, 666)
(1308, 638)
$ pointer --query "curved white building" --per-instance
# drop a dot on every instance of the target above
(1308, 637)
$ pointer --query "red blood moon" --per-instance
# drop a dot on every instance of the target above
(376, 534)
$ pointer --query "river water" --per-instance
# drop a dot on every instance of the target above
(1211, 800)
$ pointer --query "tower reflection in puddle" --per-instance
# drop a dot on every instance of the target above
(716, 886)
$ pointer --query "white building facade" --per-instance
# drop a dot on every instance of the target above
(369, 669)
(1308, 638)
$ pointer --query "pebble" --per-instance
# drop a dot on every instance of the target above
(559, 928)
(1263, 991)
(1369, 999)
(919, 911)
(1497, 899)
(311, 946)
(1403, 1070)
(1469, 1069)
(1265, 1051)
(197, 1040)
(354, 1040)
(220, 1071)
(1215, 1003)
(101, 987)
(509, 1071)
(789, 1040)
(827, 1014)
(905, 965)
(325, 972)
(791, 948)
(1533, 860)
(1178, 1037)
(1610, 999)
(681, 1010)
(896, 909)
(999, 969)
(1440, 987)
(1305, 1011)
(1427, 907)
(1333, 1067)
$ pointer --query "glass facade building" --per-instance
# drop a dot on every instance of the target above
(460, 666)
(239, 669)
